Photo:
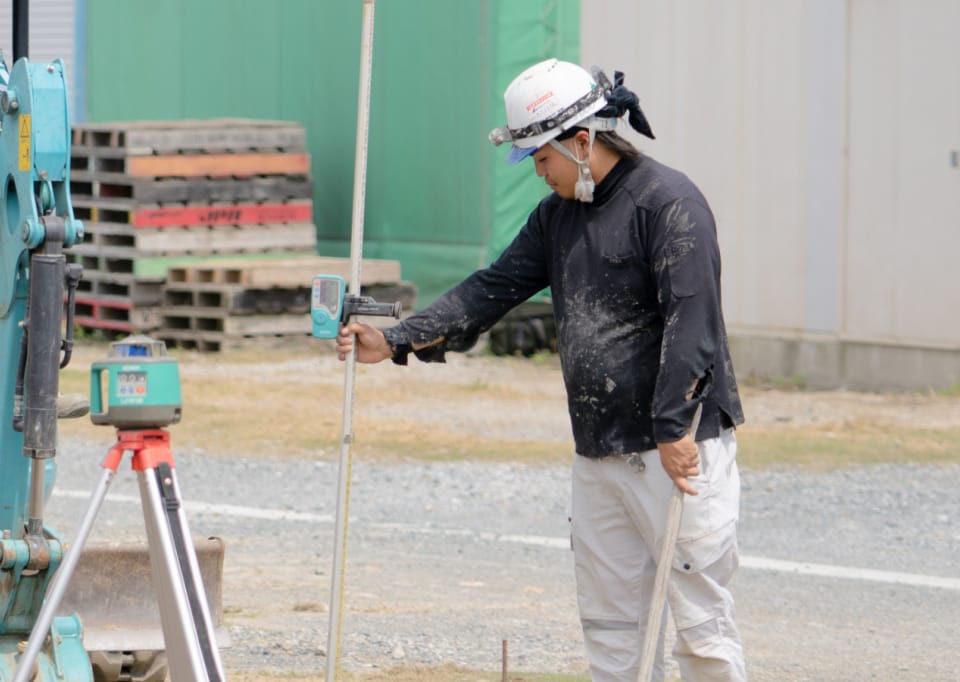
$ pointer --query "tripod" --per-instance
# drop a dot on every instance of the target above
(192, 654)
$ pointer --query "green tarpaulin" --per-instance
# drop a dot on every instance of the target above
(440, 198)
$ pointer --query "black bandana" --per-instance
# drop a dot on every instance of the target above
(620, 101)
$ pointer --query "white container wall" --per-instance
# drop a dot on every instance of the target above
(903, 227)
(826, 137)
(52, 35)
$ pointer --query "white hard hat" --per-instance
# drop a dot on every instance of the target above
(544, 101)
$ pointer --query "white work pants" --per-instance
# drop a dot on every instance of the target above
(617, 525)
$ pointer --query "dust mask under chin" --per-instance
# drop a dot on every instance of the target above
(583, 190)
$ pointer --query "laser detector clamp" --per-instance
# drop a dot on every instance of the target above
(330, 306)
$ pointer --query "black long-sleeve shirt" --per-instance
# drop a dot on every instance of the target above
(635, 284)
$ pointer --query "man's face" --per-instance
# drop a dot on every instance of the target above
(559, 172)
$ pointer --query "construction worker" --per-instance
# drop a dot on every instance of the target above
(629, 250)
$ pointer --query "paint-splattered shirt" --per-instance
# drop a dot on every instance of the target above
(635, 283)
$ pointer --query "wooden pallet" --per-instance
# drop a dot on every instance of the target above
(160, 137)
(215, 315)
(155, 268)
(239, 165)
(115, 314)
(178, 320)
(238, 299)
(128, 212)
(235, 299)
(284, 272)
(404, 293)
(259, 189)
(214, 342)
(142, 292)
(155, 194)
(120, 255)
(199, 239)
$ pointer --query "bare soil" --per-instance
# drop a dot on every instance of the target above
(480, 407)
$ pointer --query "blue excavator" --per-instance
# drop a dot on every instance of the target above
(36, 226)
(37, 286)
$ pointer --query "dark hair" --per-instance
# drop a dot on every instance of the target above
(620, 146)
(610, 139)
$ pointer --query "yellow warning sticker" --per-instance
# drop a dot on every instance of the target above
(24, 142)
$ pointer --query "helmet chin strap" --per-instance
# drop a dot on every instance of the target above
(583, 190)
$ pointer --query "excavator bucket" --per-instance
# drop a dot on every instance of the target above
(112, 592)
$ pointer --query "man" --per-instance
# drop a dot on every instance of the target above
(629, 250)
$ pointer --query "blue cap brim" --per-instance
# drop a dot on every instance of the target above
(517, 154)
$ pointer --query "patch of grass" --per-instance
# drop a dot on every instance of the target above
(951, 391)
(545, 358)
(276, 409)
(792, 382)
(479, 385)
(848, 443)
(310, 607)
(404, 440)
(280, 415)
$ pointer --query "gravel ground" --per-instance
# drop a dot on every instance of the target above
(447, 560)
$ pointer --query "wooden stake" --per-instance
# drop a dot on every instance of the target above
(504, 658)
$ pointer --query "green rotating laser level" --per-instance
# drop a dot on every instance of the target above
(141, 389)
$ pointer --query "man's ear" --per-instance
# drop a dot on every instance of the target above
(583, 142)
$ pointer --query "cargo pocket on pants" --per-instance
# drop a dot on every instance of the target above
(708, 526)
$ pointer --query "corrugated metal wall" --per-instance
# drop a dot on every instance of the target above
(439, 69)
(904, 180)
(825, 136)
(52, 34)
(746, 98)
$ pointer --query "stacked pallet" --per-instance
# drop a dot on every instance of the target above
(153, 195)
(219, 305)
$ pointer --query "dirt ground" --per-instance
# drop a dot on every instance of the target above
(470, 407)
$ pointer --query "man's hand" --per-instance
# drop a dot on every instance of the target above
(372, 346)
(681, 459)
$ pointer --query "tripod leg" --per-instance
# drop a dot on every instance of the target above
(187, 628)
(189, 568)
(61, 580)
